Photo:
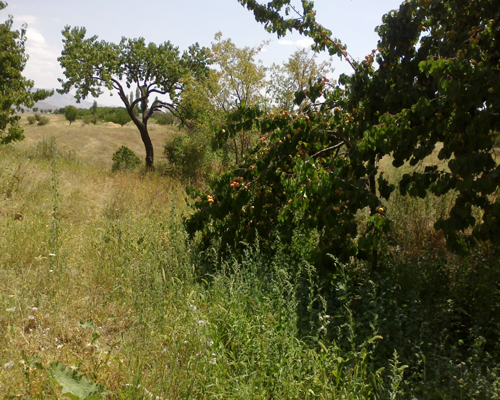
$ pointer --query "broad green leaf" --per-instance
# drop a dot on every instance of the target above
(74, 385)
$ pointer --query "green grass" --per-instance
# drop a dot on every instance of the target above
(96, 273)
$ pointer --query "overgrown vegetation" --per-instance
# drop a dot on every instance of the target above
(98, 276)
(302, 273)
(317, 169)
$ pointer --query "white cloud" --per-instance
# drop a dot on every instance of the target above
(42, 66)
(306, 42)
(286, 42)
(35, 37)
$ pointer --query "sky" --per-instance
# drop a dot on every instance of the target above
(182, 22)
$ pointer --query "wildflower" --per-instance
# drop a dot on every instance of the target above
(193, 307)
(213, 360)
(201, 322)
(31, 317)
(9, 364)
(210, 343)
(321, 329)
(13, 309)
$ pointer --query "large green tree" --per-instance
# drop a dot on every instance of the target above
(237, 78)
(431, 85)
(295, 75)
(155, 70)
(15, 89)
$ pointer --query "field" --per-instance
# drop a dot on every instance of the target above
(95, 144)
(97, 275)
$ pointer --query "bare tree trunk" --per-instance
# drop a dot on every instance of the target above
(142, 125)
(148, 145)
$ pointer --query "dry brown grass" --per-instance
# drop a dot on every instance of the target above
(95, 143)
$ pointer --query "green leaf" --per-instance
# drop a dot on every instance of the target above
(74, 385)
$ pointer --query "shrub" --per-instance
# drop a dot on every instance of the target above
(125, 159)
(189, 157)
(31, 119)
(42, 120)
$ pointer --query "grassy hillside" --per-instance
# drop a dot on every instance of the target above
(96, 274)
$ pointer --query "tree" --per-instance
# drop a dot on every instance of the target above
(70, 113)
(238, 78)
(14, 87)
(295, 75)
(436, 83)
(91, 65)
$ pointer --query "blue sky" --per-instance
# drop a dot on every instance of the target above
(182, 22)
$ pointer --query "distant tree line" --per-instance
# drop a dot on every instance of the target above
(116, 115)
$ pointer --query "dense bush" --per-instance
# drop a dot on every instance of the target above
(189, 157)
(125, 159)
(38, 119)
(42, 120)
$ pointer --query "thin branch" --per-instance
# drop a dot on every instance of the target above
(337, 146)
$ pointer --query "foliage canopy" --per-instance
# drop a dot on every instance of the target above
(431, 84)
(70, 113)
(237, 77)
(15, 89)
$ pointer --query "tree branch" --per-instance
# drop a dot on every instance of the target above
(337, 146)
